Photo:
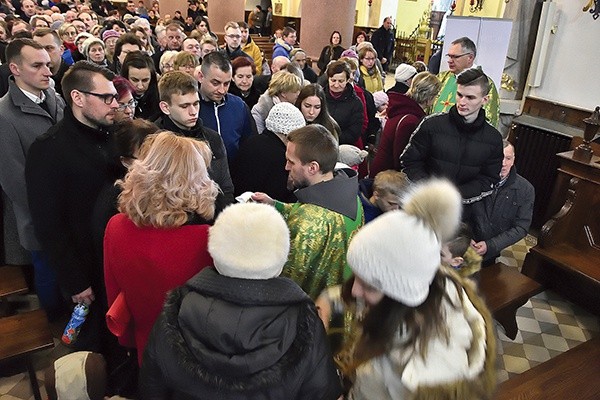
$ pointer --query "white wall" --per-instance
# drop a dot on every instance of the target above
(573, 62)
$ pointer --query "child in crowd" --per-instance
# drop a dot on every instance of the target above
(382, 194)
(458, 254)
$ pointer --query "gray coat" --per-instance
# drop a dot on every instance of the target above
(21, 122)
(504, 217)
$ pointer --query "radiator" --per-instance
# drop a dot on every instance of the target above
(535, 159)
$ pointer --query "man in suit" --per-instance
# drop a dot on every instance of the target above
(29, 109)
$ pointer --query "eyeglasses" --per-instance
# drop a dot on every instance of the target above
(234, 36)
(107, 98)
(455, 56)
(131, 104)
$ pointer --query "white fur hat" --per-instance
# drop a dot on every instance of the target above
(404, 72)
(284, 117)
(249, 241)
(398, 253)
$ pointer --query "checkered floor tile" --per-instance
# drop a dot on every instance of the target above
(548, 326)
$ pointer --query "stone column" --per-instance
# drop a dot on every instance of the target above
(320, 18)
(169, 7)
(220, 12)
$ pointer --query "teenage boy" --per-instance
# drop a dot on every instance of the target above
(180, 106)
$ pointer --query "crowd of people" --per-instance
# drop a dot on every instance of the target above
(127, 142)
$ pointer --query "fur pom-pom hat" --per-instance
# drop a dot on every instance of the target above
(249, 241)
(398, 253)
(283, 118)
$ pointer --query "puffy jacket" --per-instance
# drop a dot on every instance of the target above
(227, 338)
(469, 155)
(404, 115)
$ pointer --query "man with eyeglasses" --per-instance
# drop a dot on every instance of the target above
(65, 170)
(461, 56)
(28, 110)
(233, 42)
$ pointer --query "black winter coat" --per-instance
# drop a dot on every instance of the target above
(227, 338)
(348, 112)
(504, 217)
(469, 155)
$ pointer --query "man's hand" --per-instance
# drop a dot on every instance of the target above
(264, 198)
(383, 60)
(479, 247)
(87, 297)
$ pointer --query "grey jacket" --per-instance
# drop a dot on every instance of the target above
(21, 122)
(504, 217)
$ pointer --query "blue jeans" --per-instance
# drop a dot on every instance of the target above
(45, 283)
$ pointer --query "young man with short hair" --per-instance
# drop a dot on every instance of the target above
(327, 214)
(284, 46)
(460, 144)
(180, 106)
(251, 48)
(220, 110)
(233, 41)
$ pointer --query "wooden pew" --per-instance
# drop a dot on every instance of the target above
(571, 375)
(505, 289)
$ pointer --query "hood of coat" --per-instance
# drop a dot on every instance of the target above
(401, 104)
(238, 333)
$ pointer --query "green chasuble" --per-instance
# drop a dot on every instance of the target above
(447, 98)
(319, 240)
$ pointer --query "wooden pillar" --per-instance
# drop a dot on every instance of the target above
(320, 18)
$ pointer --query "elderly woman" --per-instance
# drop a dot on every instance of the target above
(343, 103)
(243, 70)
(284, 86)
(186, 62)
(93, 50)
(167, 202)
(166, 61)
(404, 112)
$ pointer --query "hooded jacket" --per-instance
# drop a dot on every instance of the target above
(404, 116)
(228, 338)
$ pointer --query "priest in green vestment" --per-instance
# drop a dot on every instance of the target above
(460, 57)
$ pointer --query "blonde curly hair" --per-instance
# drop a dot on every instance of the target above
(168, 182)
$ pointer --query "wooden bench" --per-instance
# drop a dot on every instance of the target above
(12, 282)
(22, 334)
(505, 289)
(570, 375)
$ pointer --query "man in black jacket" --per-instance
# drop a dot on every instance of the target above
(65, 170)
(383, 42)
(180, 105)
(459, 145)
(504, 217)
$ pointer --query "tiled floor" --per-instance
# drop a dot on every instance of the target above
(548, 325)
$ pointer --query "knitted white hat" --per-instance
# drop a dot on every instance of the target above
(89, 42)
(398, 253)
(404, 72)
(284, 117)
(249, 241)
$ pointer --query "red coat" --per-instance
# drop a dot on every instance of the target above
(397, 132)
(145, 263)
